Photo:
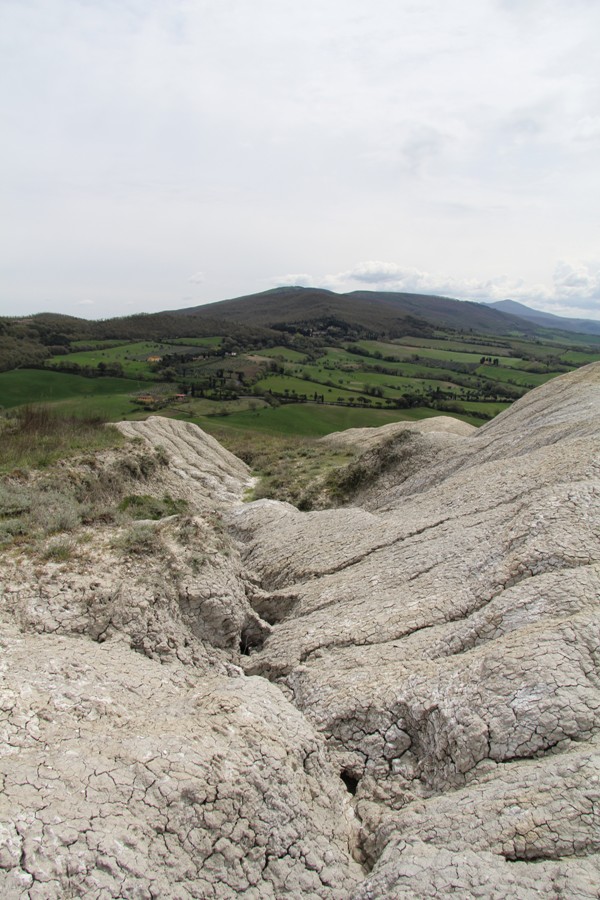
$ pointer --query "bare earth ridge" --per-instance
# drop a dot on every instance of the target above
(400, 698)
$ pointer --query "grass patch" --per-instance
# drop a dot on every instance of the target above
(36, 510)
(89, 492)
(311, 474)
(58, 550)
(38, 436)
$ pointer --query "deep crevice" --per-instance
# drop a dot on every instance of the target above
(350, 781)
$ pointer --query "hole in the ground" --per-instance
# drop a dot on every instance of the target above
(349, 780)
(251, 640)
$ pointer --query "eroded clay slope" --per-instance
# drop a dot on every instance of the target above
(394, 701)
(447, 644)
(136, 759)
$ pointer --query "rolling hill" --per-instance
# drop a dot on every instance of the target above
(384, 313)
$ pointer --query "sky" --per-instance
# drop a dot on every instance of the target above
(160, 154)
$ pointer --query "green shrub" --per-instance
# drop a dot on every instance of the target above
(15, 499)
(140, 466)
(10, 529)
(53, 510)
(37, 509)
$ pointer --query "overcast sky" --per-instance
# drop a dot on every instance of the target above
(164, 153)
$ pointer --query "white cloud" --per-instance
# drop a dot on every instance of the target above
(197, 278)
(300, 280)
(388, 276)
(577, 286)
(587, 129)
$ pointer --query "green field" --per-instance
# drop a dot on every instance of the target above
(341, 359)
(410, 351)
(29, 386)
(546, 352)
(579, 357)
(316, 420)
(133, 358)
(482, 349)
(279, 384)
(284, 353)
(392, 385)
(490, 409)
(513, 376)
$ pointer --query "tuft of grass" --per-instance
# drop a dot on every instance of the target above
(38, 436)
(139, 539)
(59, 550)
(143, 506)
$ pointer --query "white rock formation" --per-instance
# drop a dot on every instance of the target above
(394, 701)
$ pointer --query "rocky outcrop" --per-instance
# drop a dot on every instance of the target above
(398, 698)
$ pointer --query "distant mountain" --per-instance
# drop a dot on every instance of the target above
(381, 312)
(546, 320)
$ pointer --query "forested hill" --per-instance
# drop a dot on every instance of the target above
(384, 313)
(30, 340)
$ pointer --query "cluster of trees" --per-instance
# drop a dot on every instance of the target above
(111, 368)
